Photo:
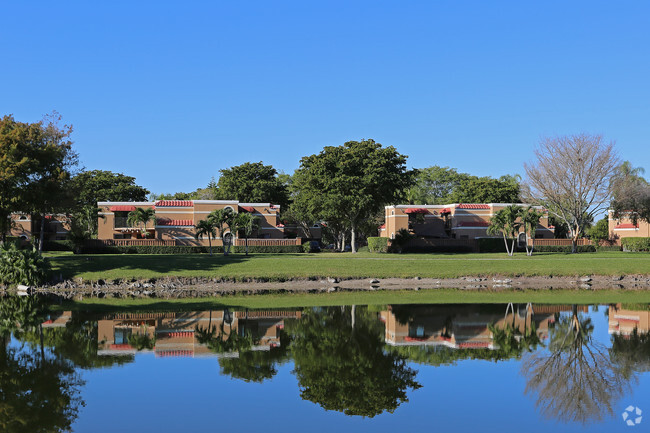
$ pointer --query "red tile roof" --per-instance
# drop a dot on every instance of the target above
(473, 345)
(169, 222)
(122, 208)
(175, 203)
(472, 206)
(627, 226)
(249, 209)
(473, 224)
(417, 210)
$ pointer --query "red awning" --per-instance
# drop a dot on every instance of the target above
(175, 203)
(249, 209)
(383, 226)
(122, 208)
(627, 226)
(445, 210)
(169, 222)
(417, 210)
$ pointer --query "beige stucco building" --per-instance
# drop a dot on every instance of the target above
(625, 228)
(175, 221)
(451, 221)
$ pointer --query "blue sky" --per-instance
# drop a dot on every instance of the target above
(171, 92)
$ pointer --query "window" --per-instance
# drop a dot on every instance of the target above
(230, 207)
(23, 217)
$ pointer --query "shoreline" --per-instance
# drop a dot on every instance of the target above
(184, 287)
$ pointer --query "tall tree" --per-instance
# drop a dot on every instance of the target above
(15, 166)
(252, 182)
(349, 183)
(571, 177)
(631, 193)
(530, 219)
(488, 190)
(247, 224)
(223, 218)
(52, 161)
(101, 185)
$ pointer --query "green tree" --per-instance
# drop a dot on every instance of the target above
(348, 184)
(206, 228)
(487, 190)
(142, 216)
(341, 364)
(252, 182)
(52, 161)
(93, 186)
(600, 231)
(530, 219)
(631, 193)
(505, 222)
(15, 166)
(247, 224)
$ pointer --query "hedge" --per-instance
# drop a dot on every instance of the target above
(636, 244)
(58, 246)
(377, 244)
(148, 249)
(438, 249)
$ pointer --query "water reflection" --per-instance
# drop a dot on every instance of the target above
(357, 360)
(575, 380)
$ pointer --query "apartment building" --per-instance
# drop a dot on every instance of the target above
(626, 228)
(175, 221)
(451, 221)
(26, 226)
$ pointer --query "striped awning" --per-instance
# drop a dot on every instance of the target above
(170, 222)
(417, 210)
(122, 208)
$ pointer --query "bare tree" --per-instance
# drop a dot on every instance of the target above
(571, 177)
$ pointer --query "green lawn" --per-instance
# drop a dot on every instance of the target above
(280, 267)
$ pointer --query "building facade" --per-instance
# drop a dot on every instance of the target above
(175, 221)
(626, 228)
(452, 221)
(25, 226)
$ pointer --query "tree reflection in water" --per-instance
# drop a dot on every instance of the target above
(39, 392)
(575, 381)
(341, 364)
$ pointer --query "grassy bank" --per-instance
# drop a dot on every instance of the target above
(443, 296)
(279, 267)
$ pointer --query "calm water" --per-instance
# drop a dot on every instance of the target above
(460, 368)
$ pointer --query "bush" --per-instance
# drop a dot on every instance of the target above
(306, 247)
(636, 244)
(492, 245)
(147, 249)
(18, 266)
(438, 249)
(608, 248)
(378, 245)
(363, 249)
(58, 246)
(564, 249)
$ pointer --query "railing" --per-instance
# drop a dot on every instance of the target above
(129, 242)
(560, 242)
(268, 242)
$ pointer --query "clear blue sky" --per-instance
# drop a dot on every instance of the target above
(172, 92)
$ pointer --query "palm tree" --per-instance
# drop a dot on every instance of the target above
(206, 228)
(222, 218)
(247, 223)
(141, 215)
(530, 219)
(505, 222)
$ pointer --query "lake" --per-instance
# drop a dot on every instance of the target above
(386, 368)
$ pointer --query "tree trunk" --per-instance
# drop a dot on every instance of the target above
(210, 243)
(41, 235)
(505, 241)
(246, 244)
(512, 249)
(342, 241)
(352, 313)
(353, 240)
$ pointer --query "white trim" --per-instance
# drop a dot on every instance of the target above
(173, 227)
(215, 201)
(186, 237)
(256, 204)
(174, 211)
(627, 230)
(105, 213)
(394, 216)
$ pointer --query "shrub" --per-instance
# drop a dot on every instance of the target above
(306, 247)
(492, 245)
(58, 246)
(377, 245)
(608, 248)
(635, 244)
(148, 249)
(18, 266)
(438, 249)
